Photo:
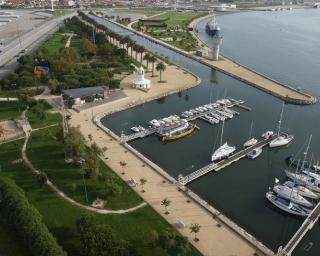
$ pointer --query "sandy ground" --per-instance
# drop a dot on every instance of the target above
(214, 240)
(9, 130)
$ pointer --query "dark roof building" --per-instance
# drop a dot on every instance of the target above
(84, 92)
(154, 22)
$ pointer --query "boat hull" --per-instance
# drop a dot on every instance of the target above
(178, 136)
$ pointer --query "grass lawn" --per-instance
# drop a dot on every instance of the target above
(147, 12)
(14, 93)
(60, 216)
(10, 110)
(46, 152)
(179, 18)
(53, 45)
(49, 118)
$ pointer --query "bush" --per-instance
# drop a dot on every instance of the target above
(27, 221)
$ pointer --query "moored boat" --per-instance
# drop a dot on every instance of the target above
(305, 180)
(224, 151)
(178, 132)
(254, 153)
(286, 205)
(291, 194)
(303, 191)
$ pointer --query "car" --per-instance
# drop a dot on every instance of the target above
(24, 50)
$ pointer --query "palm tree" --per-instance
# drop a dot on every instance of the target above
(195, 228)
(141, 50)
(146, 57)
(131, 44)
(166, 202)
(122, 41)
(136, 49)
(123, 164)
(152, 60)
(143, 181)
(161, 67)
(127, 41)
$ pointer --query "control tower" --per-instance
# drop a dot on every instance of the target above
(216, 42)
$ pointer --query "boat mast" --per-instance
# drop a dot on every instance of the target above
(222, 132)
(306, 152)
(280, 121)
(251, 129)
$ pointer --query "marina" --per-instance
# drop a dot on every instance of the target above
(261, 172)
(211, 113)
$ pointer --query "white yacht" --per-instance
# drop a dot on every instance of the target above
(283, 138)
(303, 191)
(286, 205)
(267, 134)
(311, 174)
(305, 180)
(250, 142)
(254, 153)
(222, 152)
(291, 194)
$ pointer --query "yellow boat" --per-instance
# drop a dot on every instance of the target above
(179, 135)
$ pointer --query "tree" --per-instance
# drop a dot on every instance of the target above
(195, 228)
(99, 239)
(123, 165)
(88, 48)
(42, 178)
(152, 60)
(166, 203)
(143, 181)
(146, 57)
(141, 51)
(54, 85)
(161, 67)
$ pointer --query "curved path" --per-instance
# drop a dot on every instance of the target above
(63, 195)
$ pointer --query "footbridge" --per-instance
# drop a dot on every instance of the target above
(137, 135)
(302, 231)
(184, 180)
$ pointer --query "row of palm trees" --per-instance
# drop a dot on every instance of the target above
(125, 42)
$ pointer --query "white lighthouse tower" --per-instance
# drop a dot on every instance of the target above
(216, 42)
(140, 82)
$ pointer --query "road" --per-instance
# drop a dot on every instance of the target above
(29, 40)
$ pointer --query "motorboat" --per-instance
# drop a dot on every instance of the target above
(267, 134)
(224, 151)
(254, 153)
(291, 194)
(286, 205)
(303, 191)
(305, 180)
(250, 142)
(282, 140)
(135, 129)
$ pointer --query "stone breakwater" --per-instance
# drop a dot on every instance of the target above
(240, 72)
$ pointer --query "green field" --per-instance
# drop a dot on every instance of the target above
(46, 152)
(147, 12)
(60, 216)
(10, 110)
(53, 45)
(181, 19)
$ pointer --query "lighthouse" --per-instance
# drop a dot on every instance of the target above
(216, 42)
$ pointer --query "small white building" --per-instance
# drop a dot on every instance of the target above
(141, 82)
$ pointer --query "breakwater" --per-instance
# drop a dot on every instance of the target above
(240, 72)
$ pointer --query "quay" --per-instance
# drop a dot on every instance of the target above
(184, 180)
(302, 231)
(152, 130)
(238, 71)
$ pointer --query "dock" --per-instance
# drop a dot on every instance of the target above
(301, 232)
(154, 130)
(184, 180)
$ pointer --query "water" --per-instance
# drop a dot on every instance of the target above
(238, 190)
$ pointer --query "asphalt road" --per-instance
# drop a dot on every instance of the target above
(30, 40)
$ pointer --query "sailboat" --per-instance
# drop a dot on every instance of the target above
(291, 194)
(303, 191)
(286, 205)
(251, 141)
(224, 151)
(283, 137)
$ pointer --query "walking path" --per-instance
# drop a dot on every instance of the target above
(56, 189)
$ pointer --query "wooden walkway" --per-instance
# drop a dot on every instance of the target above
(302, 231)
(184, 180)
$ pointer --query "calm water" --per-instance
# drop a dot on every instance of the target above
(239, 190)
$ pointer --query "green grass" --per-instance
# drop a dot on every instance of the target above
(60, 216)
(49, 118)
(53, 45)
(147, 12)
(27, 91)
(9, 110)
(178, 18)
(46, 152)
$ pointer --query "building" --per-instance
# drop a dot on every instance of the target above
(80, 96)
(141, 83)
(153, 22)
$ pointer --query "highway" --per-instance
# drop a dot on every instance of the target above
(29, 40)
